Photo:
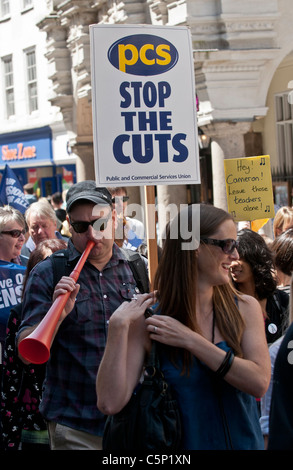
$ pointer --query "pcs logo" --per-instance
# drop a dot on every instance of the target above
(143, 54)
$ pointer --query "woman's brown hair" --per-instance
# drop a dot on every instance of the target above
(176, 280)
(40, 253)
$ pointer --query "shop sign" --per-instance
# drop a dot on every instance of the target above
(19, 152)
(34, 145)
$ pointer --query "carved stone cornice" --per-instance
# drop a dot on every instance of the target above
(233, 82)
(226, 129)
(59, 72)
(233, 25)
(68, 52)
(158, 11)
(128, 11)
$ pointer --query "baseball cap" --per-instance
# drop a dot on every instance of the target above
(28, 186)
(87, 190)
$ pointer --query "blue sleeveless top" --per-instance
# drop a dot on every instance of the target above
(212, 410)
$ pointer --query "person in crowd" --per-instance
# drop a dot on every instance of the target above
(23, 427)
(281, 407)
(64, 230)
(106, 280)
(273, 350)
(130, 231)
(211, 339)
(57, 203)
(64, 193)
(12, 238)
(12, 235)
(283, 220)
(143, 250)
(42, 225)
(282, 249)
(254, 274)
(29, 193)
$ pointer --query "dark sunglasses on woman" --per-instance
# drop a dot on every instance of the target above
(228, 245)
(14, 233)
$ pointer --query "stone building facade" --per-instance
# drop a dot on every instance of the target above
(243, 62)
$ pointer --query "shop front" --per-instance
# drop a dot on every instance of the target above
(30, 154)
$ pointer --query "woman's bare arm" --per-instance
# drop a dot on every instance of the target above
(124, 355)
(250, 374)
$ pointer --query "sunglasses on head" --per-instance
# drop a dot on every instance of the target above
(228, 245)
(14, 233)
(97, 224)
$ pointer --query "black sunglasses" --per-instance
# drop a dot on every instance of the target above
(228, 245)
(97, 224)
(14, 233)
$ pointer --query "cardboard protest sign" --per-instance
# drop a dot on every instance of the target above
(249, 188)
(144, 105)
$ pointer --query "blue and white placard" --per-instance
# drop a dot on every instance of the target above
(144, 105)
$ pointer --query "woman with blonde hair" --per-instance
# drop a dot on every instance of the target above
(282, 249)
(12, 234)
(211, 339)
(283, 220)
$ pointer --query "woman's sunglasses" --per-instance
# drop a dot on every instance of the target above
(228, 245)
(98, 225)
(14, 233)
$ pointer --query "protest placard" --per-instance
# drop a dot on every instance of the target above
(249, 188)
(144, 105)
(144, 110)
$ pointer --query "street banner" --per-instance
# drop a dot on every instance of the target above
(249, 188)
(11, 191)
(11, 284)
(144, 105)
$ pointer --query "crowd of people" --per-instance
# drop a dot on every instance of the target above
(222, 316)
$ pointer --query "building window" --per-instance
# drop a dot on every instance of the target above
(284, 122)
(27, 3)
(32, 80)
(5, 10)
(9, 87)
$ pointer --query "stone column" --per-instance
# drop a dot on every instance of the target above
(169, 196)
(227, 141)
(84, 162)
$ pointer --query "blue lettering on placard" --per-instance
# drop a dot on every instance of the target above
(143, 54)
(118, 149)
(147, 139)
(147, 120)
(177, 145)
(149, 95)
(142, 147)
